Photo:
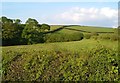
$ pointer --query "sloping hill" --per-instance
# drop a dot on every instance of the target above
(82, 60)
(88, 59)
(87, 29)
(76, 33)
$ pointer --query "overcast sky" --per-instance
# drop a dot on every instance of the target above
(82, 13)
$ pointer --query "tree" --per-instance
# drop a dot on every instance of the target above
(31, 21)
(32, 32)
(14, 33)
(10, 32)
(45, 27)
(5, 20)
(17, 21)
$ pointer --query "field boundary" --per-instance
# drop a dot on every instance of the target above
(65, 27)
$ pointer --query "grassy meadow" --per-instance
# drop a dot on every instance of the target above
(85, 28)
(89, 59)
(92, 28)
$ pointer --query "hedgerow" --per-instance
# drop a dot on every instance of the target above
(63, 37)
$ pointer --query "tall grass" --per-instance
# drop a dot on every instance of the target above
(86, 60)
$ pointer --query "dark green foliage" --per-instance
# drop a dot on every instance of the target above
(17, 21)
(31, 21)
(15, 33)
(33, 36)
(11, 32)
(32, 32)
(63, 37)
(45, 27)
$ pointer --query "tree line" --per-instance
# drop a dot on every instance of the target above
(13, 32)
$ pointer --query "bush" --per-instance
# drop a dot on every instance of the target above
(93, 35)
(105, 36)
(114, 37)
(63, 37)
(87, 36)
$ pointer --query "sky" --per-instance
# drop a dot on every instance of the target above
(59, 0)
(63, 13)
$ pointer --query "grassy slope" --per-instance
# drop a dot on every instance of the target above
(71, 46)
(86, 28)
(51, 60)
(84, 42)
(92, 29)
(53, 27)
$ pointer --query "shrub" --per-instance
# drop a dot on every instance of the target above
(63, 37)
(114, 37)
(87, 36)
(106, 36)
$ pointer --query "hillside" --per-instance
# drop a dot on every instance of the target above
(76, 33)
(77, 53)
(61, 61)
(84, 28)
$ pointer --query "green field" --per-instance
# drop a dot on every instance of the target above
(53, 27)
(86, 28)
(84, 60)
(92, 29)
(74, 33)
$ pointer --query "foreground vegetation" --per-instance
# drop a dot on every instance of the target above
(86, 60)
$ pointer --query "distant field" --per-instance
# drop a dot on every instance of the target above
(53, 27)
(92, 29)
(85, 28)
(63, 33)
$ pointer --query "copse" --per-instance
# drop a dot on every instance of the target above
(15, 33)
(11, 32)
(33, 31)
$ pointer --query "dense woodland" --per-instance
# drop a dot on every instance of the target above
(15, 33)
